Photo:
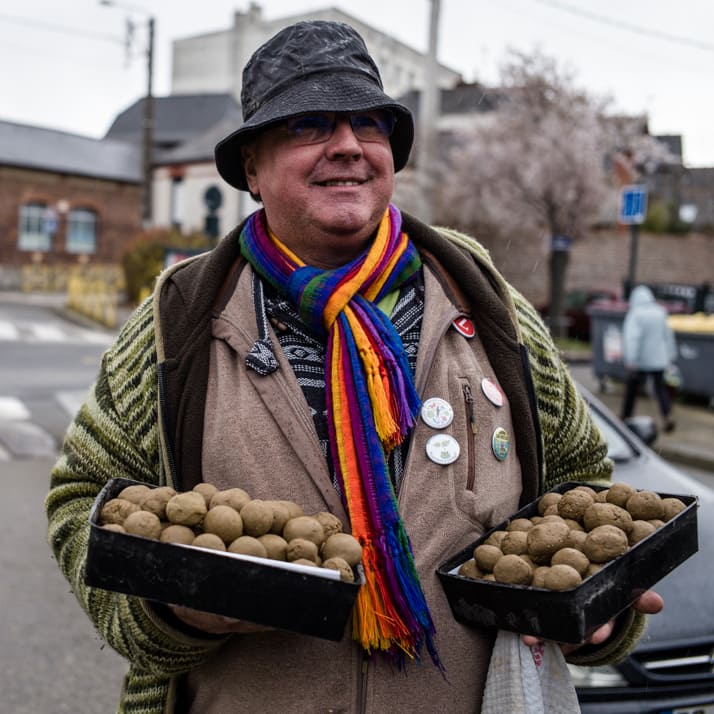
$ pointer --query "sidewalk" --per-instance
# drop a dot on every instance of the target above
(692, 441)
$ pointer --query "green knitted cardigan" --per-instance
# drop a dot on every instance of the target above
(116, 434)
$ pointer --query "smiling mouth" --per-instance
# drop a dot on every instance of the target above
(341, 182)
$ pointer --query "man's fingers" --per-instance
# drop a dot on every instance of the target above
(649, 603)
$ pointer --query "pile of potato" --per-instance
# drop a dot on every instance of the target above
(576, 533)
(230, 520)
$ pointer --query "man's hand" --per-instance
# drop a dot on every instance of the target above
(649, 603)
(215, 624)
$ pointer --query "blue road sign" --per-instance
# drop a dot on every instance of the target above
(633, 204)
(561, 243)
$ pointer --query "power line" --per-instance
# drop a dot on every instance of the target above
(49, 27)
(620, 25)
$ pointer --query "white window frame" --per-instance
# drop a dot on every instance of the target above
(81, 231)
(33, 234)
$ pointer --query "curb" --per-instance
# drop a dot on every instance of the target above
(79, 319)
(687, 456)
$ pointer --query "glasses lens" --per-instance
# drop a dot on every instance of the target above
(376, 125)
(310, 128)
(372, 126)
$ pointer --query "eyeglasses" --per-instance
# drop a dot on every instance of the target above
(316, 128)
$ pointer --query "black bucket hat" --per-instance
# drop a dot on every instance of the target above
(308, 67)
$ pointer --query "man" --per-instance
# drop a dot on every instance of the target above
(292, 361)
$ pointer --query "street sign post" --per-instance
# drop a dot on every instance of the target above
(632, 211)
(633, 205)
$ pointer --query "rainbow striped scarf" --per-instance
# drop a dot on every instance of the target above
(365, 364)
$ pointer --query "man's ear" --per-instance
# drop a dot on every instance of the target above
(251, 176)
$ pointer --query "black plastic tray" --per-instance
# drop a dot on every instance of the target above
(570, 615)
(262, 591)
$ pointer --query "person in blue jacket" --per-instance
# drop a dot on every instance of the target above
(648, 347)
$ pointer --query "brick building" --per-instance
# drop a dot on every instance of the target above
(65, 200)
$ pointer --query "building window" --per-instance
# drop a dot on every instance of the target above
(82, 231)
(177, 202)
(38, 223)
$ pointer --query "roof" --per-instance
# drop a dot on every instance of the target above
(673, 142)
(199, 148)
(464, 98)
(177, 118)
(33, 147)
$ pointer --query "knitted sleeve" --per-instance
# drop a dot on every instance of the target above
(115, 435)
(573, 448)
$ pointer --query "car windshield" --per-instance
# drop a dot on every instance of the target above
(617, 447)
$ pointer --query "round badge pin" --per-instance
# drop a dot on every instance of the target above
(465, 326)
(492, 391)
(500, 443)
(437, 413)
(443, 449)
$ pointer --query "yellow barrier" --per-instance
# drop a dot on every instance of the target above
(95, 294)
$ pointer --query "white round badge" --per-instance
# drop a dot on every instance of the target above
(443, 449)
(437, 413)
(492, 391)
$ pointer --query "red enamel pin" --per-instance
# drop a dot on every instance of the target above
(465, 326)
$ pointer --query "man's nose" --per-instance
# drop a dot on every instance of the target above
(343, 140)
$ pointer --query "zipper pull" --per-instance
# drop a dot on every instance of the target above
(469, 399)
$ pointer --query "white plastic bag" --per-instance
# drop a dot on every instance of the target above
(528, 680)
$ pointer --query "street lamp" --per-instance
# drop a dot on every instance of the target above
(148, 128)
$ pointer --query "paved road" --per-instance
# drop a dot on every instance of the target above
(46, 366)
(51, 659)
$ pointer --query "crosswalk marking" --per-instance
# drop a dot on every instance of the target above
(47, 332)
(8, 331)
(98, 338)
(21, 437)
(13, 409)
(25, 433)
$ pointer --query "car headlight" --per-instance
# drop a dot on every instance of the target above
(589, 677)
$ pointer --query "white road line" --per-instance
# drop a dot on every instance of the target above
(8, 331)
(46, 332)
(36, 332)
(12, 409)
(98, 338)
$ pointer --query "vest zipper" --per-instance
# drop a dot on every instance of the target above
(470, 415)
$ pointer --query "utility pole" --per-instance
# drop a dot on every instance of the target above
(147, 203)
(148, 114)
(429, 112)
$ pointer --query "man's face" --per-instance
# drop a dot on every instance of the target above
(325, 199)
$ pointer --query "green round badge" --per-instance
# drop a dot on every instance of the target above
(500, 443)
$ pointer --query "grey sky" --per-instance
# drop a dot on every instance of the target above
(650, 56)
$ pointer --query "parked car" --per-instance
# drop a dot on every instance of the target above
(671, 671)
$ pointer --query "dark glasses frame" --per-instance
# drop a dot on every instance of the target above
(318, 127)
